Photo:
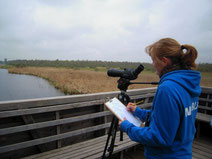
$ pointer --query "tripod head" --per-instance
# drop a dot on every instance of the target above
(123, 84)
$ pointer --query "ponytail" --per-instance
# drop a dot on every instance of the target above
(188, 58)
(181, 56)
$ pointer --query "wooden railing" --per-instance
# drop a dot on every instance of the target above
(33, 126)
(204, 109)
(205, 105)
(30, 127)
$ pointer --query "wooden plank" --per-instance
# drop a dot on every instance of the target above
(203, 143)
(202, 148)
(83, 150)
(205, 100)
(207, 90)
(92, 149)
(41, 102)
(203, 117)
(66, 148)
(199, 156)
(16, 129)
(81, 154)
(148, 95)
(58, 153)
(134, 92)
(100, 148)
(122, 147)
(202, 153)
(20, 111)
(204, 107)
(98, 151)
(17, 146)
(30, 111)
(68, 152)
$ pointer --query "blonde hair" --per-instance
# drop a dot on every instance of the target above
(171, 49)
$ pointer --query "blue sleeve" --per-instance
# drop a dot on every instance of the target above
(141, 113)
(165, 120)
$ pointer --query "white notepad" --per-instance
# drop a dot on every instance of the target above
(120, 111)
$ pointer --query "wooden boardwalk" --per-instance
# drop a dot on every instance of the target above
(77, 126)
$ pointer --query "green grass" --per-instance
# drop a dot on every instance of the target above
(6, 66)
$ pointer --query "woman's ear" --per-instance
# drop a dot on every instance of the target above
(166, 61)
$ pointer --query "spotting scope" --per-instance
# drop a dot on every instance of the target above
(127, 73)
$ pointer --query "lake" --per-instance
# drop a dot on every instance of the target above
(16, 86)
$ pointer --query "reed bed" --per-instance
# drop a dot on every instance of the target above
(71, 81)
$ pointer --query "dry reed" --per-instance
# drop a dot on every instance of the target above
(72, 81)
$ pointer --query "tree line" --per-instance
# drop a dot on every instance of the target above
(77, 64)
(203, 67)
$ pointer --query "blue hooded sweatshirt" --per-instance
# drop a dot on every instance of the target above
(172, 120)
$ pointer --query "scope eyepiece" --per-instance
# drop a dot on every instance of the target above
(139, 69)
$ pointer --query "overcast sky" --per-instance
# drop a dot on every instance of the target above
(107, 30)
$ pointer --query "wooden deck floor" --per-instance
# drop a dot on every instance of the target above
(201, 149)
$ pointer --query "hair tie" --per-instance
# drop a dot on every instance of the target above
(183, 47)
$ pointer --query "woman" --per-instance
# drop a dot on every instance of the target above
(172, 117)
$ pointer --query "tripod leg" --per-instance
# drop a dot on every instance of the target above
(110, 149)
(112, 126)
(121, 135)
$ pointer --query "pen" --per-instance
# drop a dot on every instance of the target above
(139, 102)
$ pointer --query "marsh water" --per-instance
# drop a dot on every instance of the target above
(16, 86)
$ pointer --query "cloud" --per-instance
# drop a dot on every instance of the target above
(101, 30)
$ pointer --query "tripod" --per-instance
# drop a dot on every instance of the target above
(125, 99)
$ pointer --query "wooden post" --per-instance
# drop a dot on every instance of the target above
(198, 129)
(206, 104)
(58, 129)
(146, 100)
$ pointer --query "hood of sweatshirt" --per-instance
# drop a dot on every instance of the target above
(188, 79)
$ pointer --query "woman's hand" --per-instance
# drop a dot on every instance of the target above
(120, 121)
(131, 107)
